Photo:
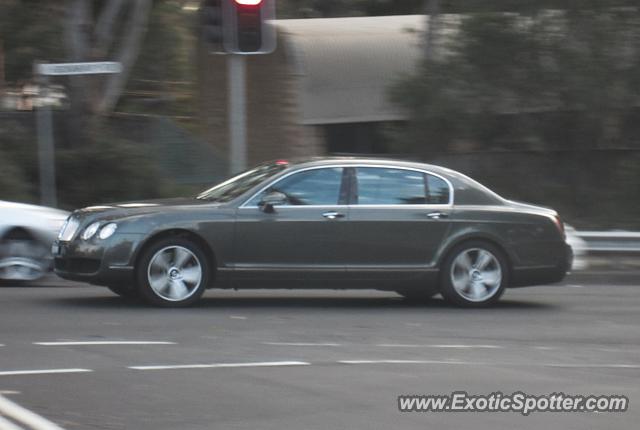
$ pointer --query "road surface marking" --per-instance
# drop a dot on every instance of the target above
(405, 362)
(300, 344)
(401, 345)
(25, 416)
(5, 424)
(41, 371)
(105, 342)
(8, 392)
(595, 366)
(1, 344)
(223, 365)
(574, 286)
(237, 317)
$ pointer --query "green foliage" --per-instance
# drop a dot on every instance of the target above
(584, 62)
(108, 170)
(29, 30)
(549, 97)
(18, 163)
(162, 78)
(13, 183)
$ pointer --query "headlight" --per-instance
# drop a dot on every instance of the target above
(90, 231)
(107, 230)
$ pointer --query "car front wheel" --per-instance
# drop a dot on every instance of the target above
(173, 272)
(474, 274)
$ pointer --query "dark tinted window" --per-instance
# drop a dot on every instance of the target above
(437, 191)
(383, 186)
(388, 186)
(311, 187)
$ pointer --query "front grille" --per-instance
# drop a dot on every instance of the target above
(77, 265)
(69, 229)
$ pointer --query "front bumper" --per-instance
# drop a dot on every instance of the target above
(100, 262)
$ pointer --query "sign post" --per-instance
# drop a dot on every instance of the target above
(44, 121)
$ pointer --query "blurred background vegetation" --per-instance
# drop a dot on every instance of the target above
(536, 98)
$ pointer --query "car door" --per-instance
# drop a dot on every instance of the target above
(398, 219)
(301, 239)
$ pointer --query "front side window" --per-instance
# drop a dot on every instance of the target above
(318, 187)
(238, 185)
(389, 186)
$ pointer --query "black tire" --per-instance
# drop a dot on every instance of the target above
(126, 291)
(151, 265)
(474, 290)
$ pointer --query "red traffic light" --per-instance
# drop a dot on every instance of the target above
(248, 2)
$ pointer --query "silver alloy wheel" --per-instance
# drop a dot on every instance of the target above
(174, 273)
(22, 260)
(21, 269)
(476, 274)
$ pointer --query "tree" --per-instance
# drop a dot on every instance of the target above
(116, 33)
(582, 61)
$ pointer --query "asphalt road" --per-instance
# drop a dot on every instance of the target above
(313, 359)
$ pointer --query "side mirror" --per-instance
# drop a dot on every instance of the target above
(274, 198)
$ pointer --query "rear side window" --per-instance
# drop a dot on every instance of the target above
(389, 186)
(437, 191)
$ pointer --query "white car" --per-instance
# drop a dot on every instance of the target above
(26, 234)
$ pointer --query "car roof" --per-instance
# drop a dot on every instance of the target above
(468, 191)
(374, 161)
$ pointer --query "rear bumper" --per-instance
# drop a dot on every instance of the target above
(540, 275)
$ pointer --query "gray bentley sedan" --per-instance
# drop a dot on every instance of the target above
(338, 223)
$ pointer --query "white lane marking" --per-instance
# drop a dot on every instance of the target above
(300, 344)
(25, 416)
(406, 362)
(401, 345)
(1, 344)
(595, 366)
(574, 286)
(105, 342)
(237, 317)
(223, 365)
(5, 424)
(476, 363)
(41, 371)
(544, 348)
(8, 392)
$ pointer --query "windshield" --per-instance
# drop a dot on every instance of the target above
(238, 185)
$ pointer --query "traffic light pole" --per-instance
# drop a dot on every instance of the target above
(46, 158)
(237, 71)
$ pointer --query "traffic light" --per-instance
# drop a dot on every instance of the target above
(211, 13)
(248, 26)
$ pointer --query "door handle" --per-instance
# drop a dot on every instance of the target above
(333, 215)
(437, 215)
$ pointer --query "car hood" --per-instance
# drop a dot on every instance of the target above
(143, 207)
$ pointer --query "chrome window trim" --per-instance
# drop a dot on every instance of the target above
(344, 166)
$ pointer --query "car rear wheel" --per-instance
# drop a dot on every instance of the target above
(173, 272)
(474, 274)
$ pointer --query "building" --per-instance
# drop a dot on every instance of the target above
(324, 90)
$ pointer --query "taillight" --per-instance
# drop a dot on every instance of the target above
(560, 226)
